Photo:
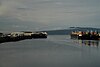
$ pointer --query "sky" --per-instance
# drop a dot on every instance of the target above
(48, 14)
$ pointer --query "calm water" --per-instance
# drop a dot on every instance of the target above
(55, 51)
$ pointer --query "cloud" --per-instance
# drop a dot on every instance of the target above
(50, 13)
(3, 10)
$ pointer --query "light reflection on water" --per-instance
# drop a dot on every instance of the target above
(91, 43)
(94, 43)
(55, 51)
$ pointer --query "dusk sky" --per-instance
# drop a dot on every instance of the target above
(48, 14)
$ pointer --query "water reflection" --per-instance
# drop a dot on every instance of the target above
(94, 43)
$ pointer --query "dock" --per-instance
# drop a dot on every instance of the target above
(85, 35)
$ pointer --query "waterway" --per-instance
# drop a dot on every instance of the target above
(55, 51)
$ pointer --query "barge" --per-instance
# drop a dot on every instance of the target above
(85, 35)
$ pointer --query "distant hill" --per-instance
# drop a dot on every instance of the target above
(68, 31)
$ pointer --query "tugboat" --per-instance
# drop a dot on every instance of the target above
(85, 35)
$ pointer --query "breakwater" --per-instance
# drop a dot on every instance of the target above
(17, 36)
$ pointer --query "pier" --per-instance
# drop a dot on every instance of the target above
(85, 35)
